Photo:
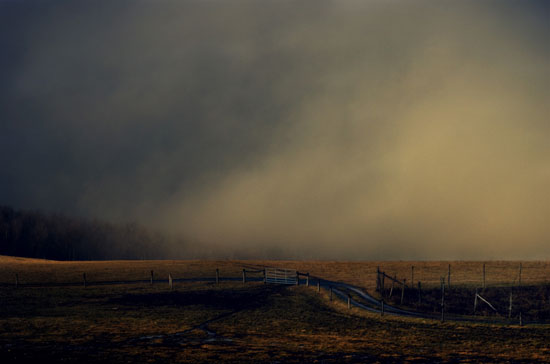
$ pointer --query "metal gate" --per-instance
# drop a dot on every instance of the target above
(280, 276)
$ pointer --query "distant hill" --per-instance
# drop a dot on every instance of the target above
(36, 234)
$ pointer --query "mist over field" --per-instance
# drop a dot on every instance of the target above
(316, 129)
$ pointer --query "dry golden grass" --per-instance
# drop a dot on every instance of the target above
(49, 271)
(252, 323)
(362, 274)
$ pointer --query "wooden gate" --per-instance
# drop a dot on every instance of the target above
(280, 276)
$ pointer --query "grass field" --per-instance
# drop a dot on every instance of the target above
(362, 274)
(232, 322)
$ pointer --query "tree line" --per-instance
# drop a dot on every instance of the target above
(35, 234)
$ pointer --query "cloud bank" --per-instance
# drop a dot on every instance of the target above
(344, 130)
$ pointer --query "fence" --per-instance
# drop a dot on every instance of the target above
(281, 276)
(380, 284)
(463, 274)
(500, 289)
(266, 275)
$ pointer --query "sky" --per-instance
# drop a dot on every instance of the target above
(287, 129)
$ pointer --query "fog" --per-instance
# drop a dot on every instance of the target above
(286, 129)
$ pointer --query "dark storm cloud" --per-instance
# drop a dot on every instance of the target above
(363, 129)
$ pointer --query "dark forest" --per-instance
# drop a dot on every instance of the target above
(37, 234)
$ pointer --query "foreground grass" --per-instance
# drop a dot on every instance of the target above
(230, 322)
(202, 322)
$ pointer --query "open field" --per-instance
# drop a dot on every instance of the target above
(362, 274)
(232, 322)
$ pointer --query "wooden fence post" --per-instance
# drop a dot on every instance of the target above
(349, 301)
(84, 278)
(449, 277)
(152, 275)
(475, 302)
(383, 283)
(442, 299)
(318, 286)
(307, 279)
(392, 285)
(244, 276)
(419, 292)
(382, 311)
(510, 307)
(265, 276)
(403, 289)
(330, 293)
(483, 275)
(170, 281)
(217, 276)
(16, 280)
(297, 279)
